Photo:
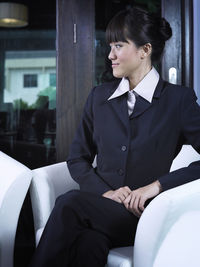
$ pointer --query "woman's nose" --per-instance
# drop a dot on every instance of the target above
(111, 55)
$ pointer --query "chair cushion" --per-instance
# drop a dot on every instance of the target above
(120, 257)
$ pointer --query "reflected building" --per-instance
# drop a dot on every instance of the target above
(27, 74)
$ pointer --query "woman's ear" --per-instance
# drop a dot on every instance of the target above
(146, 50)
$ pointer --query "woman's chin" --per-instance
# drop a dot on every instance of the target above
(117, 75)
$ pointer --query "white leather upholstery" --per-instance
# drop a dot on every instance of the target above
(184, 158)
(159, 217)
(47, 184)
(120, 257)
(15, 179)
(185, 232)
(50, 181)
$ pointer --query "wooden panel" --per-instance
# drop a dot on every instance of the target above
(75, 65)
(84, 53)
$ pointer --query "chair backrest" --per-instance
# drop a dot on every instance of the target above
(187, 155)
(47, 184)
(163, 212)
(15, 179)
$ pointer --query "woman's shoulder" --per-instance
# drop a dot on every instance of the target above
(171, 86)
(108, 85)
(178, 90)
(104, 90)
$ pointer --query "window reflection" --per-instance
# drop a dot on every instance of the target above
(28, 125)
(30, 80)
(103, 71)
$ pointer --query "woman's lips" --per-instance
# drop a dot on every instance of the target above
(114, 65)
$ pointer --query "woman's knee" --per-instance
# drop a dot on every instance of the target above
(68, 198)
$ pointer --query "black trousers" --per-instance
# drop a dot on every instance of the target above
(81, 230)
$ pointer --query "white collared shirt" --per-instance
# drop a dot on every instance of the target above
(145, 89)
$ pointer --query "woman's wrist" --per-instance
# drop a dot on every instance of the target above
(159, 186)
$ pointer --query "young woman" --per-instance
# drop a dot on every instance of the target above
(135, 126)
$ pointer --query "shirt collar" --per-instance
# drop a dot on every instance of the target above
(145, 87)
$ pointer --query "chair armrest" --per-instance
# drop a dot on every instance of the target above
(181, 246)
(158, 218)
(47, 184)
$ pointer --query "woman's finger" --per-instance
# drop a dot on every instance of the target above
(126, 201)
(136, 206)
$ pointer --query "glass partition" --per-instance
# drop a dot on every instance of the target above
(28, 102)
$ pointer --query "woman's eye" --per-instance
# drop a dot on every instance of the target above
(118, 45)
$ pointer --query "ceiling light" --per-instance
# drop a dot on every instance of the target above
(13, 15)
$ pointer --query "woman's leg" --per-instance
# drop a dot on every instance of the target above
(90, 249)
(76, 212)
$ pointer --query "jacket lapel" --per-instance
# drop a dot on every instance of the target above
(142, 104)
(119, 105)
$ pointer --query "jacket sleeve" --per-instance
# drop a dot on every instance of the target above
(82, 153)
(190, 128)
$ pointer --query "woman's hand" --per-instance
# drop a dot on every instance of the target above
(135, 201)
(118, 195)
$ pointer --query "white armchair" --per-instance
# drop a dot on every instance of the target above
(15, 179)
(155, 223)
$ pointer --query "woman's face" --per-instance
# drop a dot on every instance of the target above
(126, 58)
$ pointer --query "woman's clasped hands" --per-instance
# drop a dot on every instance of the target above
(135, 200)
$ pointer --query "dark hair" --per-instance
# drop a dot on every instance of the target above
(140, 27)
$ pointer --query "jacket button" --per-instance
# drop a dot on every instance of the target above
(123, 148)
(120, 172)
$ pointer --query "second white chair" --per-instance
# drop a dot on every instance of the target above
(15, 179)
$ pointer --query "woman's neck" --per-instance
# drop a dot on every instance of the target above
(139, 75)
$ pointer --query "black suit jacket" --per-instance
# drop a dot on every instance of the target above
(138, 150)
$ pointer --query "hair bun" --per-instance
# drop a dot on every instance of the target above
(165, 29)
